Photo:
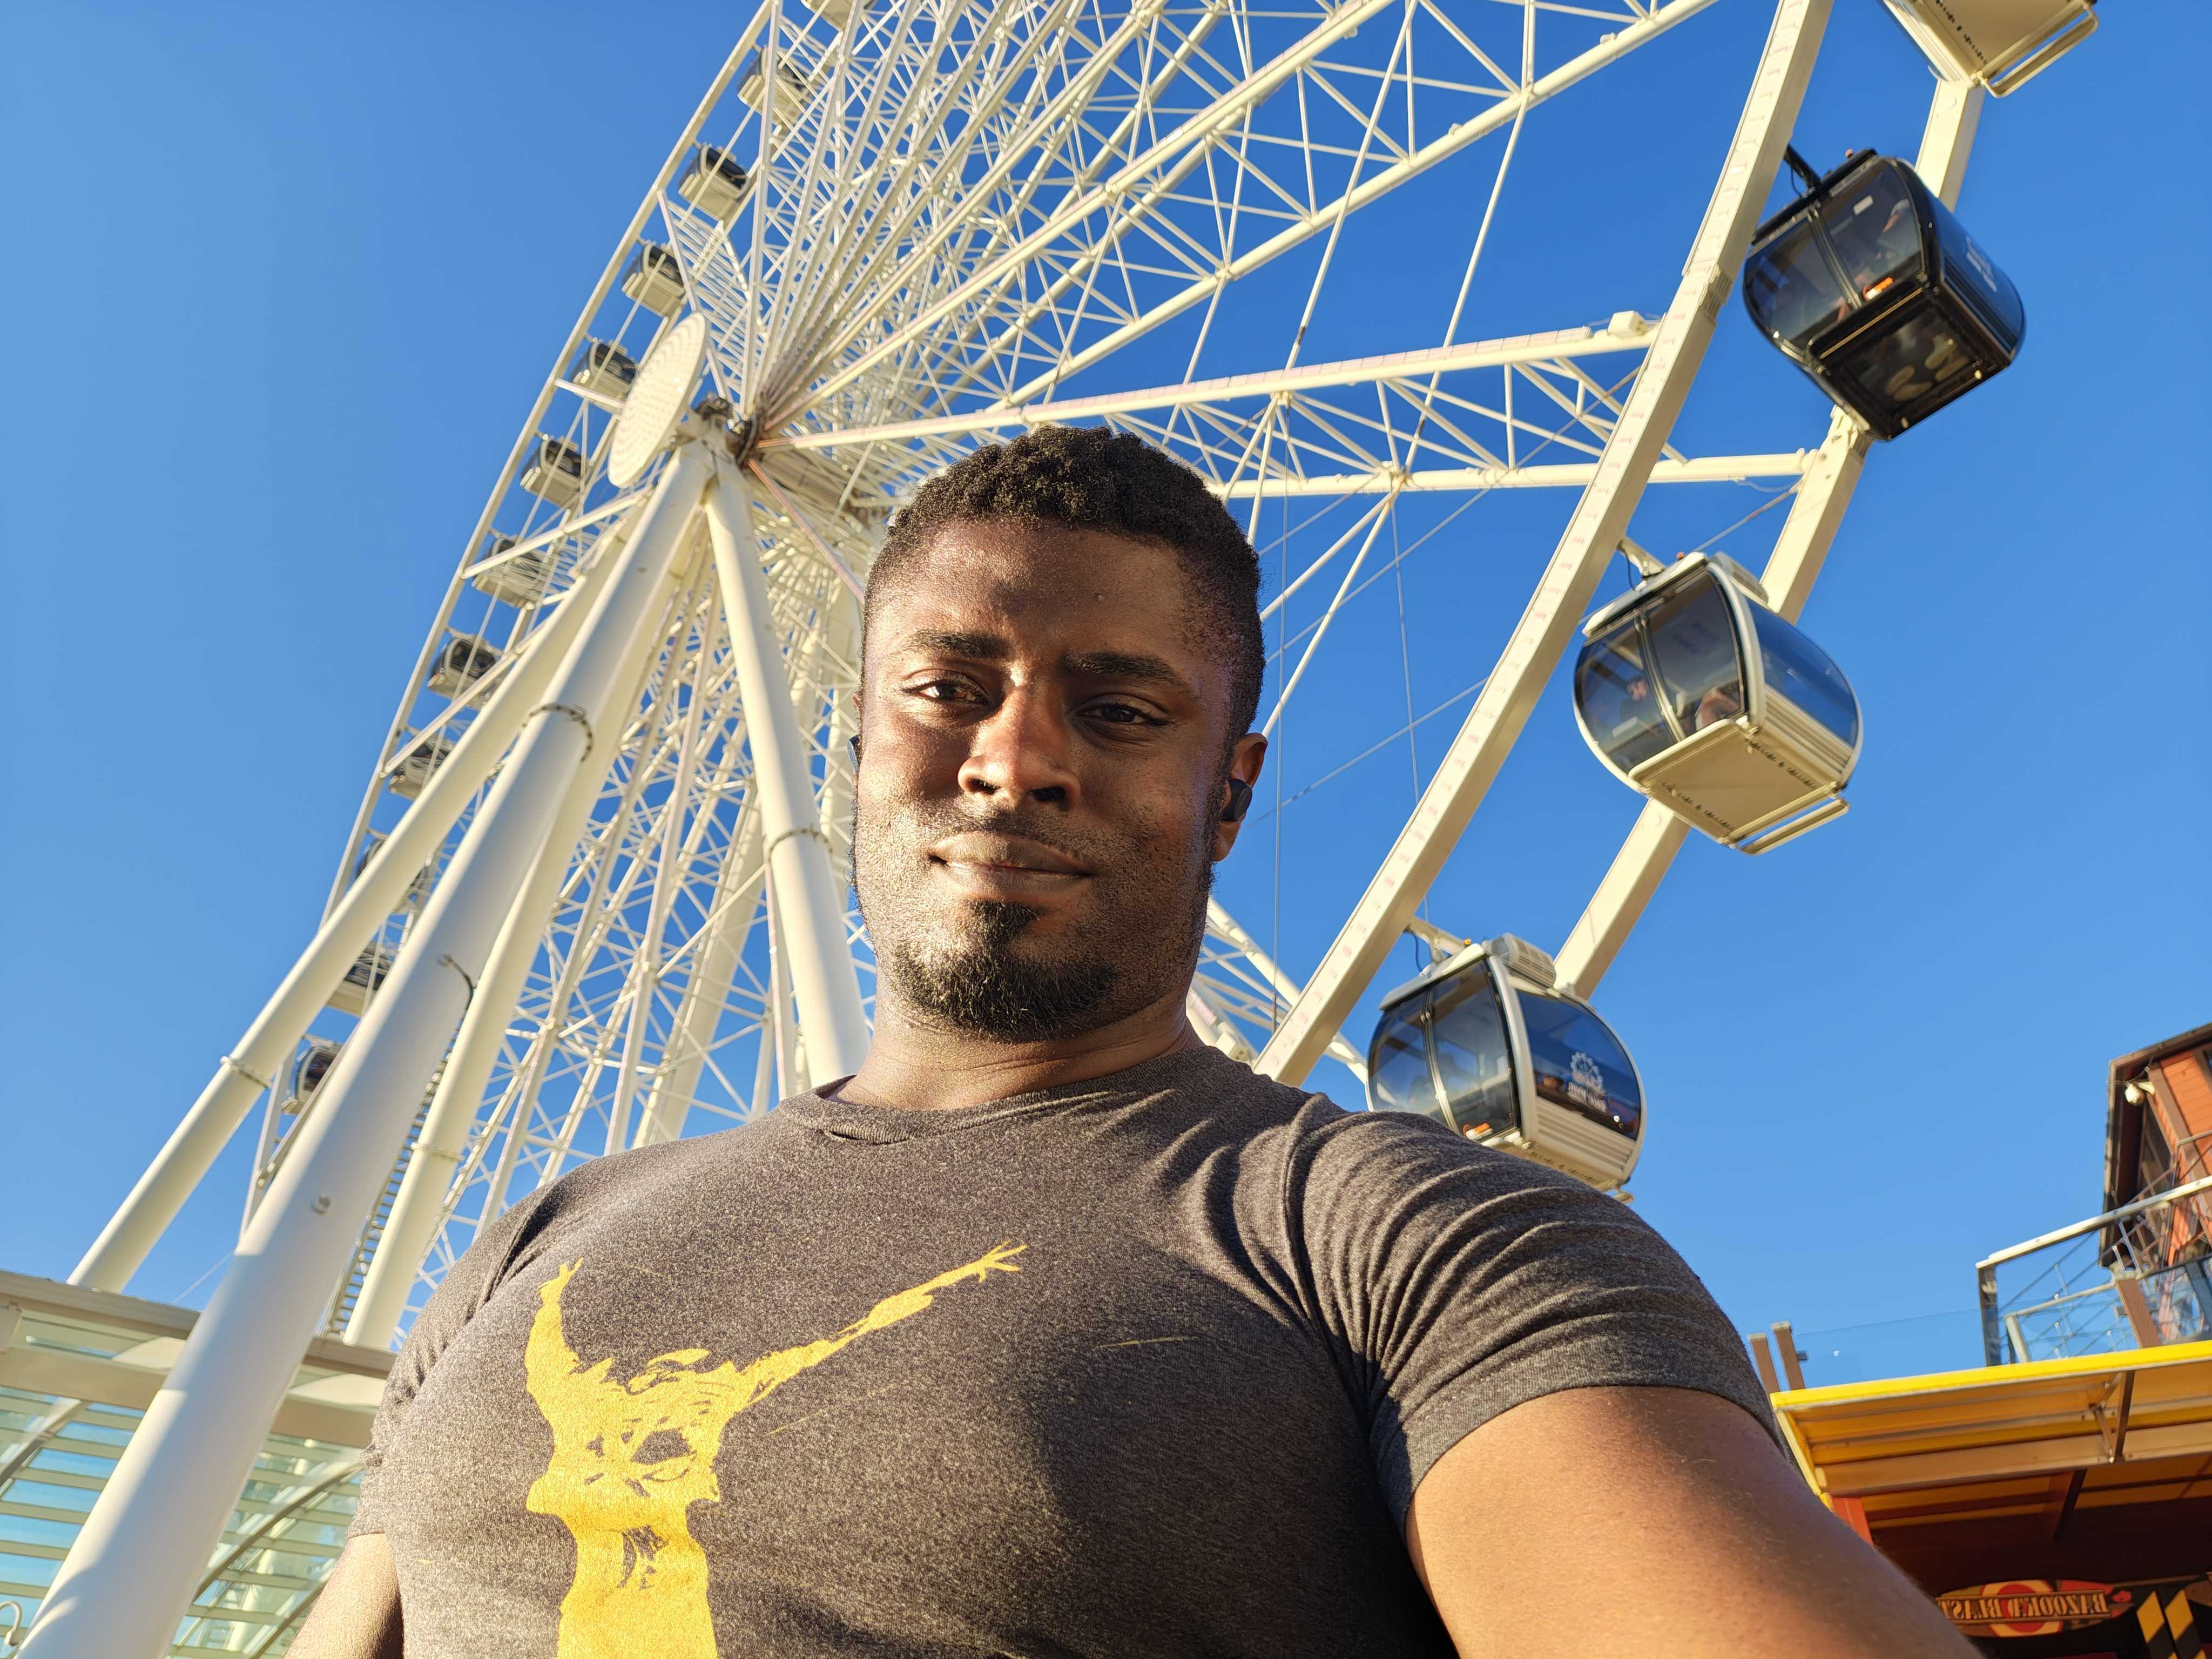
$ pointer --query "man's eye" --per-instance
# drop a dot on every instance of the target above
(942, 691)
(1121, 713)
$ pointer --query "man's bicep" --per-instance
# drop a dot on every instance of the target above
(356, 1616)
(1653, 1521)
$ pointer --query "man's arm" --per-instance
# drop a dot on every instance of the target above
(357, 1614)
(1653, 1521)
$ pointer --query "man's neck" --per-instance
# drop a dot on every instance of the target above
(918, 1066)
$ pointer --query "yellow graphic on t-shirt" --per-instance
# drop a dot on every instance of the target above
(631, 1455)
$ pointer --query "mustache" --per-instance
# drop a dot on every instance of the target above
(924, 825)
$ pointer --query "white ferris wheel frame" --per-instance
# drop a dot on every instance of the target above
(697, 630)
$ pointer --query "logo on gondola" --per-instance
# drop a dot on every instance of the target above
(1980, 261)
(1585, 1082)
(2032, 1606)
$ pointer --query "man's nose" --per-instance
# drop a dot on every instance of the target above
(1021, 754)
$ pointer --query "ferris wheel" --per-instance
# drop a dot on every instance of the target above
(591, 897)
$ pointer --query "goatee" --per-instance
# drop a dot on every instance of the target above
(982, 988)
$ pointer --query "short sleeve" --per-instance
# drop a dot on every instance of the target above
(462, 1291)
(1463, 1282)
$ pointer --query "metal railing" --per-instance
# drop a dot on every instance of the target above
(2137, 1276)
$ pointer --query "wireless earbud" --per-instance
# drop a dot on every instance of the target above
(1239, 802)
(855, 740)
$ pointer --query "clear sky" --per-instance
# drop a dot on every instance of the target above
(286, 279)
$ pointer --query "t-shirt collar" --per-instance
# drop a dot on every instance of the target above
(844, 1120)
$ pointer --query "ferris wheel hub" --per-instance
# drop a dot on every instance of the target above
(656, 401)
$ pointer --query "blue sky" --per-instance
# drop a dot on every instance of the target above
(287, 281)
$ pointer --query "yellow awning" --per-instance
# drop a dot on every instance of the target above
(2011, 1441)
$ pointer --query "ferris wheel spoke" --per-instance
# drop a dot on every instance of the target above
(988, 133)
(1506, 103)
(1165, 160)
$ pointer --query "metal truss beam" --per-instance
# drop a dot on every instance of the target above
(1394, 365)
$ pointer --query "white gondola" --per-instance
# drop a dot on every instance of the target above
(463, 661)
(603, 367)
(368, 971)
(520, 580)
(1694, 691)
(835, 13)
(554, 471)
(2003, 43)
(654, 279)
(714, 182)
(306, 1074)
(411, 773)
(1486, 1043)
(792, 91)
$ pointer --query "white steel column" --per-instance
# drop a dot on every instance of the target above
(1599, 519)
(1799, 553)
(251, 1066)
(715, 956)
(420, 1202)
(144, 1546)
(808, 914)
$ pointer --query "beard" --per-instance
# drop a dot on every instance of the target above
(974, 965)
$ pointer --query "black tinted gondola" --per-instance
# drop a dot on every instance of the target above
(654, 278)
(1489, 1045)
(369, 970)
(408, 778)
(460, 663)
(603, 367)
(714, 182)
(553, 470)
(310, 1066)
(791, 90)
(1868, 284)
(1692, 690)
(520, 581)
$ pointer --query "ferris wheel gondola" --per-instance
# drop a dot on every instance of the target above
(520, 581)
(793, 87)
(1868, 284)
(369, 969)
(460, 664)
(654, 278)
(1489, 1045)
(603, 368)
(408, 778)
(554, 472)
(2002, 44)
(714, 183)
(1694, 691)
(310, 1066)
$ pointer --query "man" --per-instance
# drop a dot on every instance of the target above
(1053, 1331)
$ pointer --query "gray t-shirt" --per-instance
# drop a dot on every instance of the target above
(1149, 1364)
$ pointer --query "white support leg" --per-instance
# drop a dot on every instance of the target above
(809, 912)
(713, 967)
(345, 933)
(145, 1545)
(1799, 553)
(421, 1200)
(1599, 519)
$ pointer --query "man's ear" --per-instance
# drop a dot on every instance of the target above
(1245, 760)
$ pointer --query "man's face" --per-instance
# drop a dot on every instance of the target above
(1044, 722)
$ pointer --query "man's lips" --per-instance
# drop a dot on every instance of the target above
(1004, 867)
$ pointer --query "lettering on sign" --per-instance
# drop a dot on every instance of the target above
(2032, 1606)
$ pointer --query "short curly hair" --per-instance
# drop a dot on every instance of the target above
(1092, 478)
